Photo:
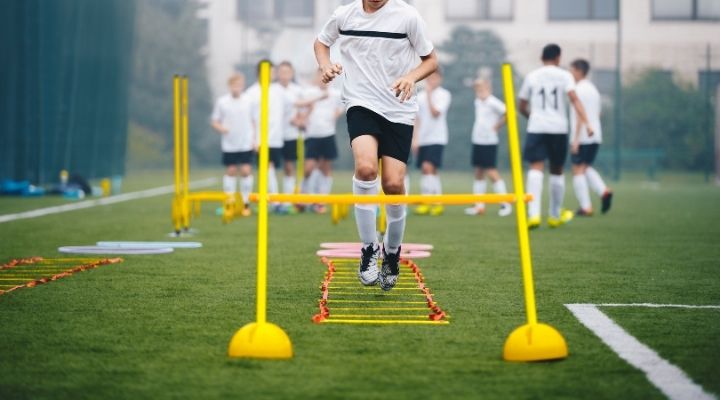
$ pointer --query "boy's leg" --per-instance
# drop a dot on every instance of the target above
(246, 186)
(393, 183)
(325, 167)
(499, 188)
(365, 182)
(479, 187)
(557, 153)
(582, 192)
(230, 180)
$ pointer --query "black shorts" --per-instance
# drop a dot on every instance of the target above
(289, 150)
(586, 154)
(394, 139)
(484, 156)
(239, 157)
(542, 146)
(432, 153)
(317, 148)
(276, 157)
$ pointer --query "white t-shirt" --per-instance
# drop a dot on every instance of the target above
(590, 99)
(235, 114)
(376, 49)
(546, 89)
(278, 104)
(487, 115)
(293, 93)
(322, 119)
(433, 130)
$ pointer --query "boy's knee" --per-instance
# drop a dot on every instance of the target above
(231, 170)
(365, 171)
(556, 169)
(394, 186)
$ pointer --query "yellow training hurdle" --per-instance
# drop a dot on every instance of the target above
(533, 341)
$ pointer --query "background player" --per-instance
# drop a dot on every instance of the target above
(291, 128)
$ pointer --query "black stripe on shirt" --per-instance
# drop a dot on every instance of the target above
(388, 35)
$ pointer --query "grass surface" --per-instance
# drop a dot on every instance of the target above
(158, 326)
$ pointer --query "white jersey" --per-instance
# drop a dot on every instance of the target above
(546, 89)
(323, 116)
(487, 115)
(433, 130)
(293, 93)
(276, 120)
(235, 114)
(590, 99)
(376, 49)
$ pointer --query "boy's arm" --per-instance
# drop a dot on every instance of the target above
(524, 110)
(575, 145)
(219, 128)
(582, 116)
(328, 69)
(500, 123)
(405, 87)
(414, 143)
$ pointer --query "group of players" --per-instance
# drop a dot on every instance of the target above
(385, 51)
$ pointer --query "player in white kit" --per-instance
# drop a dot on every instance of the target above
(583, 147)
(544, 90)
(291, 129)
(232, 118)
(384, 52)
(430, 138)
(489, 118)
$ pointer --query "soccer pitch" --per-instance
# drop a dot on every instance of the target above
(158, 326)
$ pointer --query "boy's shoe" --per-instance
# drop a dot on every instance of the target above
(533, 222)
(390, 270)
(368, 270)
(606, 201)
(565, 217)
(505, 210)
(475, 211)
(422, 209)
(436, 210)
(581, 212)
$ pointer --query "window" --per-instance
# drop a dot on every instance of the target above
(686, 9)
(605, 80)
(479, 9)
(559, 10)
(292, 12)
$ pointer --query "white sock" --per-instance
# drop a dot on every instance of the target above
(229, 184)
(480, 187)
(580, 184)
(426, 184)
(246, 187)
(310, 183)
(326, 184)
(395, 227)
(535, 188)
(366, 214)
(407, 183)
(437, 185)
(557, 193)
(499, 188)
(272, 180)
(316, 181)
(596, 182)
(288, 184)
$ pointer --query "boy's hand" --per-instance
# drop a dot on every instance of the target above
(590, 130)
(404, 88)
(330, 71)
(224, 130)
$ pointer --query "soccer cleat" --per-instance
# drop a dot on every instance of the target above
(437, 210)
(606, 201)
(505, 210)
(475, 211)
(565, 217)
(422, 209)
(390, 270)
(368, 270)
(583, 213)
(533, 222)
(246, 211)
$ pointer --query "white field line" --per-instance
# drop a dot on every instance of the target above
(667, 377)
(653, 305)
(142, 194)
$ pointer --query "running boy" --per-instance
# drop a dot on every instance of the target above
(544, 90)
(489, 118)
(232, 118)
(384, 52)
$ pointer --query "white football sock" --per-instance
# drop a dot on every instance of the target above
(366, 214)
(288, 184)
(229, 184)
(246, 187)
(535, 188)
(310, 183)
(557, 193)
(316, 179)
(499, 188)
(426, 184)
(272, 180)
(596, 182)
(437, 184)
(479, 187)
(395, 227)
(580, 184)
(326, 184)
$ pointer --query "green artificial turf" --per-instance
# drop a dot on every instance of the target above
(158, 326)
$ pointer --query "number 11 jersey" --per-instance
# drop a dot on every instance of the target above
(546, 90)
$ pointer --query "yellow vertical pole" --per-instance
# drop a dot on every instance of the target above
(300, 166)
(533, 341)
(186, 153)
(382, 216)
(176, 207)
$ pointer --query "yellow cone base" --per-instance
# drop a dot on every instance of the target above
(539, 342)
(266, 341)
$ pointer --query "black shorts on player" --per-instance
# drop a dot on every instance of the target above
(432, 153)
(394, 139)
(484, 156)
(289, 150)
(276, 157)
(321, 148)
(546, 146)
(586, 154)
(236, 158)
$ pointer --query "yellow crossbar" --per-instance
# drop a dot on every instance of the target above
(450, 199)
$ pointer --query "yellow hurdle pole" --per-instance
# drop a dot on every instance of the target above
(262, 238)
(382, 217)
(300, 166)
(449, 199)
(177, 219)
(521, 213)
(185, 134)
